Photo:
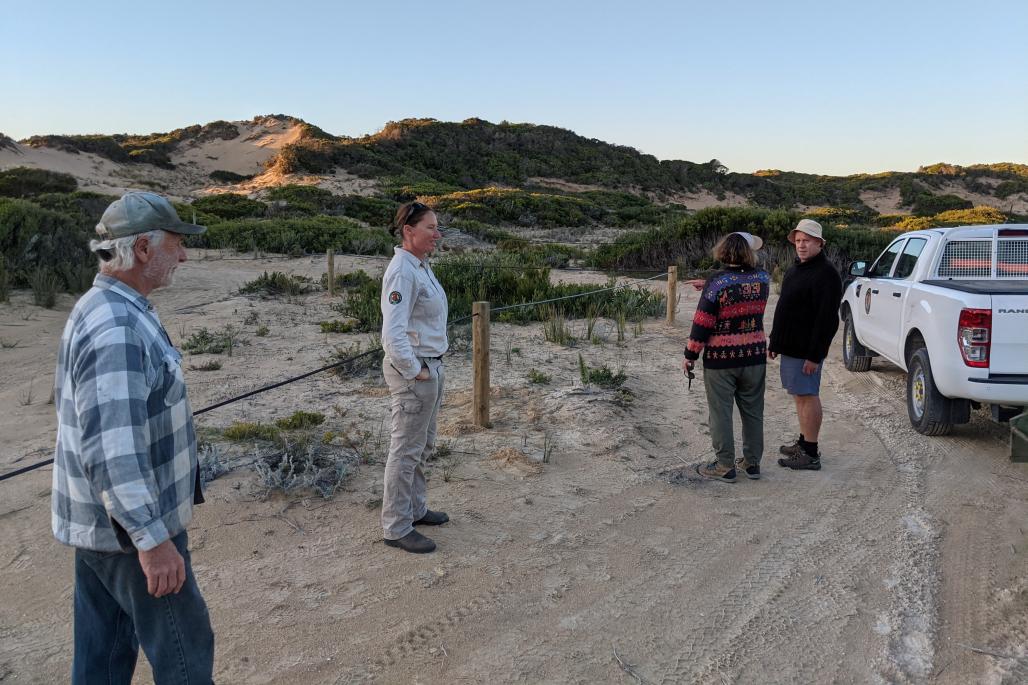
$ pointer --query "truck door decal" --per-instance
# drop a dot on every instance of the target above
(867, 301)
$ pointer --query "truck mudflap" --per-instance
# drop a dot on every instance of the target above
(1019, 438)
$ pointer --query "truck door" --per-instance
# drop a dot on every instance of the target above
(890, 302)
(868, 318)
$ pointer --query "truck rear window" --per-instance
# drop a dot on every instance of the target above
(966, 259)
(1012, 258)
(973, 258)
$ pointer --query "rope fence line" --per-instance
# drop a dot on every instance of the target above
(367, 353)
(314, 255)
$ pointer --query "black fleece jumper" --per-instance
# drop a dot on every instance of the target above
(807, 315)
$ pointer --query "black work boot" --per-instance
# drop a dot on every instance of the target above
(413, 542)
(432, 518)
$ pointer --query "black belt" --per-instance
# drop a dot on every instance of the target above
(438, 359)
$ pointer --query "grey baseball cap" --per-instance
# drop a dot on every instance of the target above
(140, 212)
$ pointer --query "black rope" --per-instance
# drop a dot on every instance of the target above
(25, 469)
(286, 381)
(343, 362)
(237, 398)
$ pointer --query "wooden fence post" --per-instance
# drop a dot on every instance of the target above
(331, 273)
(672, 293)
(480, 359)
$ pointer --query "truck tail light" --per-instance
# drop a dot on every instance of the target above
(974, 335)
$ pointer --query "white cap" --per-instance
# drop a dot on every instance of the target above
(753, 241)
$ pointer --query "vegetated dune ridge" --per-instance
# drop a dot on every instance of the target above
(892, 564)
(247, 154)
(274, 150)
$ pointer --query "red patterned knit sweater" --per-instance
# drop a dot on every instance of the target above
(728, 327)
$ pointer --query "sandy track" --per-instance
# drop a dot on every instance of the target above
(883, 567)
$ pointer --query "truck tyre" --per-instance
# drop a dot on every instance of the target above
(929, 411)
(854, 355)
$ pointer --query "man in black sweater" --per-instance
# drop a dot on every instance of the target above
(806, 320)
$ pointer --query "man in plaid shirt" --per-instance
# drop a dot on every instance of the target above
(125, 471)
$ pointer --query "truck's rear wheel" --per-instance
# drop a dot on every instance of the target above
(929, 411)
(854, 355)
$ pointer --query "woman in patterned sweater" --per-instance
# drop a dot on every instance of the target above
(728, 329)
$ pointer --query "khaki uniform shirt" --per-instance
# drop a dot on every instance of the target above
(414, 312)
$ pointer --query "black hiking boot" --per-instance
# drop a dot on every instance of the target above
(432, 518)
(413, 542)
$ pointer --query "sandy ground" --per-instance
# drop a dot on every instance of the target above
(608, 564)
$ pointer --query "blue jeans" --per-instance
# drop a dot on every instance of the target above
(115, 615)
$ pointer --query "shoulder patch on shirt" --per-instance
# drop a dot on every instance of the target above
(395, 297)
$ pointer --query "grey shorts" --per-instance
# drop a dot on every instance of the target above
(795, 381)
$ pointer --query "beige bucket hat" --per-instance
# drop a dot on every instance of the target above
(810, 227)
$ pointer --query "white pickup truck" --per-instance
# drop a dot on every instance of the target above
(950, 307)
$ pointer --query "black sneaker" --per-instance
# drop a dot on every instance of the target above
(715, 471)
(802, 461)
(413, 542)
(432, 518)
(752, 472)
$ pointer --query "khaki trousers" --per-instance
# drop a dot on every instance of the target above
(742, 386)
(414, 407)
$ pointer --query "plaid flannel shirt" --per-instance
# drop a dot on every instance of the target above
(125, 470)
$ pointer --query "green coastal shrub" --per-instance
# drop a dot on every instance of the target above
(25, 182)
(689, 240)
(483, 231)
(44, 284)
(276, 283)
(504, 279)
(230, 206)
(927, 204)
(376, 211)
(5, 281)
(33, 238)
(223, 176)
(496, 205)
(297, 236)
(403, 189)
(352, 279)
(301, 419)
(305, 199)
(247, 430)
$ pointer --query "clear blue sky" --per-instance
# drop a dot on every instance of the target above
(827, 87)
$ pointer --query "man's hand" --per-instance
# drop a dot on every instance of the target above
(687, 365)
(696, 283)
(809, 367)
(424, 374)
(164, 568)
(772, 355)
